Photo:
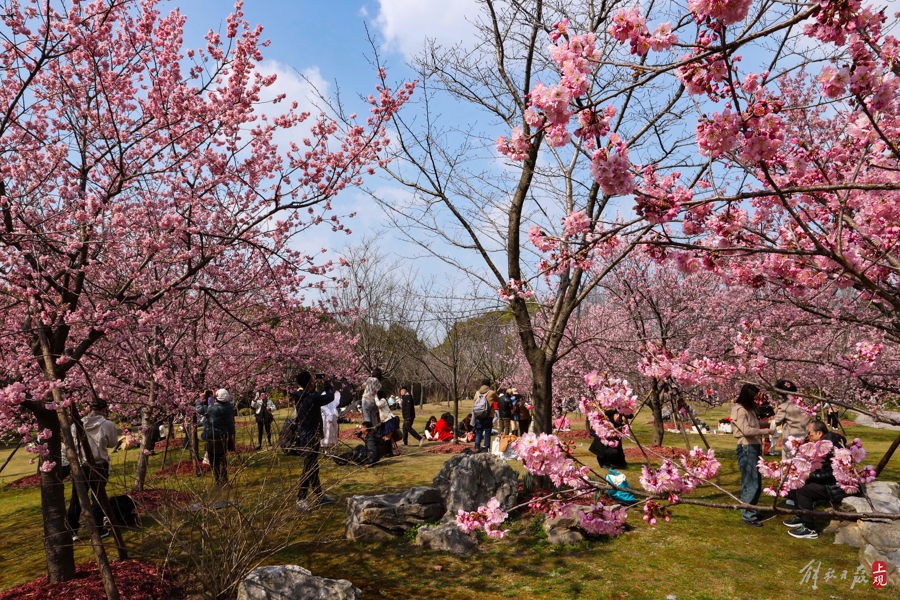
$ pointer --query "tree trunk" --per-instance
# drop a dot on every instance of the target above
(140, 471)
(80, 483)
(542, 397)
(57, 538)
(659, 428)
(887, 456)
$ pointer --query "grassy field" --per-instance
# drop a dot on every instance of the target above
(701, 553)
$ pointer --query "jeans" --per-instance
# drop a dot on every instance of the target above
(483, 431)
(751, 486)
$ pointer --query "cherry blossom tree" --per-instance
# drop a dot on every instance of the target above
(715, 134)
(715, 155)
(125, 154)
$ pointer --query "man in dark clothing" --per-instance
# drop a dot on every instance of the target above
(308, 400)
(219, 435)
(821, 486)
(408, 410)
(504, 412)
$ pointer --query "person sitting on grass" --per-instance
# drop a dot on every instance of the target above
(443, 429)
(820, 487)
(429, 431)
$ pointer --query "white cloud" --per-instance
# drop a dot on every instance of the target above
(407, 24)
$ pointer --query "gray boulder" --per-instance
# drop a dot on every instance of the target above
(287, 582)
(468, 481)
(563, 529)
(387, 516)
(876, 539)
(446, 537)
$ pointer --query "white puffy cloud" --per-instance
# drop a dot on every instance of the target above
(407, 24)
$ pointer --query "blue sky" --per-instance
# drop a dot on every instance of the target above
(326, 42)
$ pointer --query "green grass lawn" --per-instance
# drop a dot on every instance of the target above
(701, 553)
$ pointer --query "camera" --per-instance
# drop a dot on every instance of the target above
(320, 375)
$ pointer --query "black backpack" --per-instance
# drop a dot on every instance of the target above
(124, 511)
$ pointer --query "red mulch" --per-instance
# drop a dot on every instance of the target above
(29, 481)
(152, 499)
(350, 433)
(448, 448)
(185, 467)
(634, 454)
(136, 580)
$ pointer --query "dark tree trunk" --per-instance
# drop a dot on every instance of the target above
(542, 397)
(57, 537)
(659, 428)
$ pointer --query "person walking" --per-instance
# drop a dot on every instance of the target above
(101, 435)
(504, 412)
(408, 411)
(745, 428)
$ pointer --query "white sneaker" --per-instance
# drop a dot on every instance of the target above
(302, 505)
(421, 441)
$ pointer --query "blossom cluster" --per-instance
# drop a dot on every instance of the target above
(515, 288)
(545, 454)
(488, 517)
(653, 511)
(863, 359)
(696, 467)
(792, 473)
(660, 199)
(609, 393)
(629, 25)
(844, 465)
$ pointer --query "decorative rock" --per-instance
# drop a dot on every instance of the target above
(884, 536)
(285, 582)
(388, 516)
(877, 540)
(563, 529)
(446, 537)
(869, 554)
(468, 481)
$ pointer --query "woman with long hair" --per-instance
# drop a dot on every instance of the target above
(745, 428)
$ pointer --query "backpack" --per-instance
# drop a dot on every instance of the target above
(481, 408)
(124, 511)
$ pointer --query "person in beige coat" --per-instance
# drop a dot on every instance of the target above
(745, 428)
(790, 416)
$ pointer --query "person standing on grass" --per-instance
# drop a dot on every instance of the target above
(101, 435)
(483, 415)
(262, 410)
(745, 428)
(790, 416)
(504, 412)
(408, 410)
(219, 435)
(308, 400)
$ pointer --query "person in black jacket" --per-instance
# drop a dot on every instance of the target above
(219, 435)
(308, 401)
(821, 486)
(504, 412)
(408, 410)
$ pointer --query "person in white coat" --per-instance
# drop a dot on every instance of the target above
(330, 422)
